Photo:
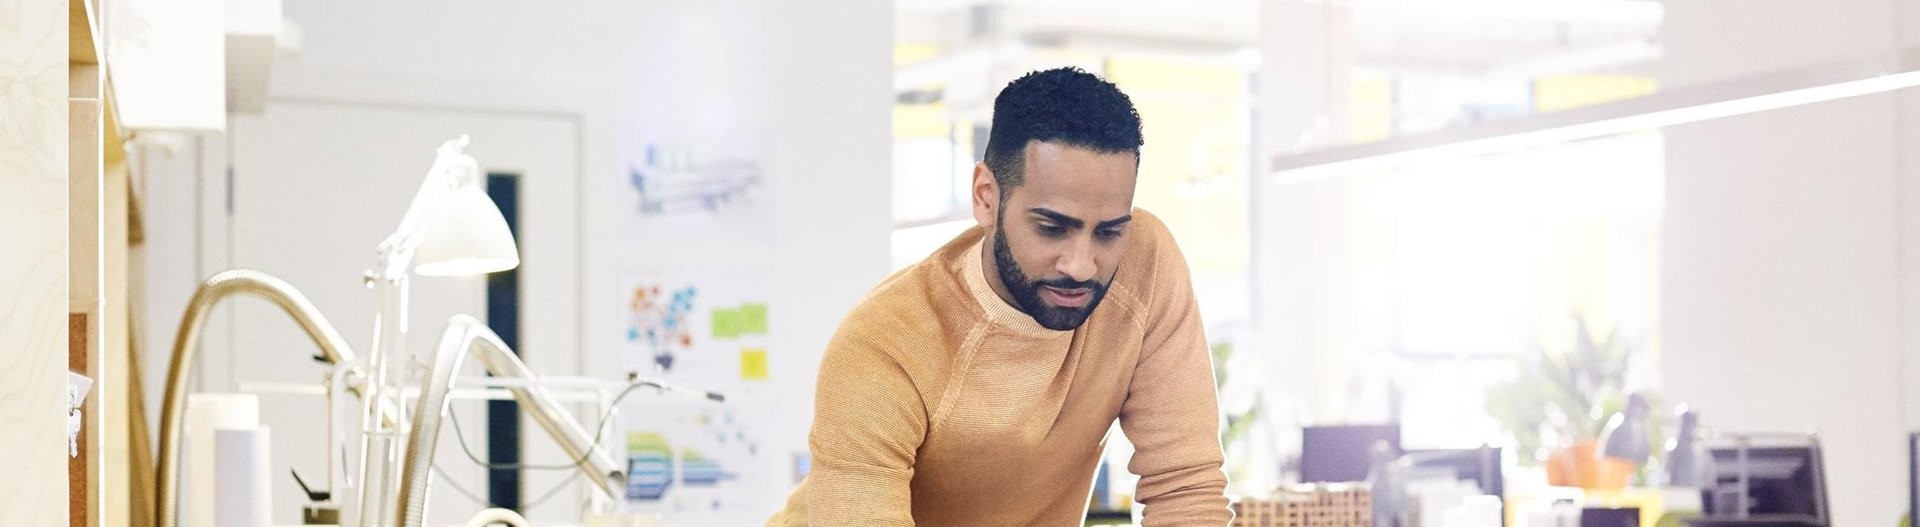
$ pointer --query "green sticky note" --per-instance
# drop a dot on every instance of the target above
(753, 319)
(726, 323)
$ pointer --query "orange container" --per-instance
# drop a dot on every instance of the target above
(1581, 465)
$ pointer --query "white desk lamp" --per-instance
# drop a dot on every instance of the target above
(454, 229)
(451, 229)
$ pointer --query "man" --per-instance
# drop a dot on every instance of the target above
(977, 387)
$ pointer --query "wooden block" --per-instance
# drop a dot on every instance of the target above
(77, 466)
(1307, 506)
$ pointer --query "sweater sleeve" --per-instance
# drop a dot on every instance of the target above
(868, 425)
(1171, 414)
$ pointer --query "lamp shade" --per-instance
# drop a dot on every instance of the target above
(464, 234)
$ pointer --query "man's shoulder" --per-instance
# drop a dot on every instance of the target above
(927, 288)
(1150, 258)
(1152, 242)
(904, 294)
(912, 309)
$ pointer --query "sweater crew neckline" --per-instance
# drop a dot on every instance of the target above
(998, 311)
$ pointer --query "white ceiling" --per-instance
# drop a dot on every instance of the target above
(1463, 37)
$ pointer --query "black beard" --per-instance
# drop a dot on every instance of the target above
(1026, 293)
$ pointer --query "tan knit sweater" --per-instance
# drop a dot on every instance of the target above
(941, 404)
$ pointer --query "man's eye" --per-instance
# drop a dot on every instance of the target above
(1108, 234)
(1053, 230)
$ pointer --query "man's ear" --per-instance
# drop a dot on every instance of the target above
(986, 196)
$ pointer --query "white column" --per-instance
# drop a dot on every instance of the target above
(1781, 255)
(1306, 62)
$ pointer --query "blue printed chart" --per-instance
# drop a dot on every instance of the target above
(649, 466)
(693, 460)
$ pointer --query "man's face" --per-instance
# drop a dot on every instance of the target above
(1058, 237)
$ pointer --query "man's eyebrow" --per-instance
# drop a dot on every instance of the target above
(1116, 222)
(1062, 219)
(1075, 223)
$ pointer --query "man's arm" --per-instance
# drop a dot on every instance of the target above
(1171, 414)
(868, 424)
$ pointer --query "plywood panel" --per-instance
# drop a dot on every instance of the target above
(33, 187)
(83, 205)
(84, 208)
(112, 364)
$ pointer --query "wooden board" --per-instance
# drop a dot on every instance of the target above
(85, 248)
(33, 186)
(77, 465)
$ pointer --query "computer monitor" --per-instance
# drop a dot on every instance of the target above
(1441, 473)
(1766, 480)
(1343, 452)
(1479, 465)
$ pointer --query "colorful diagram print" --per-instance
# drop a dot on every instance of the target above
(701, 450)
(717, 430)
(660, 319)
(681, 180)
(649, 466)
(696, 470)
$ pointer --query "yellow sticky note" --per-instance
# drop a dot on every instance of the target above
(753, 364)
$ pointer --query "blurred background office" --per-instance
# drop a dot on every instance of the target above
(1525, 232)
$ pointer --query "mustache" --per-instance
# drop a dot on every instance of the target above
(1068, 283)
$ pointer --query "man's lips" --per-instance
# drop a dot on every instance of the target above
(1067, 298)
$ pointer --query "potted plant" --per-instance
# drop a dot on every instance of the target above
(1562, 400)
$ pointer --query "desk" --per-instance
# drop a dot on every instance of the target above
(1109, 517)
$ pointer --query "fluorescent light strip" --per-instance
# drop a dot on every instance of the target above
(1609, 126)
(1597, 58)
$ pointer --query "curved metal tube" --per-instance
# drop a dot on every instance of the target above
(466, 334)
(185, 345)
(493, 516)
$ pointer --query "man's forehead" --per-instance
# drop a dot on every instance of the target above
(1087, 170)
(1060, 150)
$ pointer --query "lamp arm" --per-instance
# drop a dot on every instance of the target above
(451, 168)
(463, 335)
(333, 349)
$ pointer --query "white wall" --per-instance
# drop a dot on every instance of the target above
(1783, 245)
(816, 74)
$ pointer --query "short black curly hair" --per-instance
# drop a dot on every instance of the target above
(1062, 105)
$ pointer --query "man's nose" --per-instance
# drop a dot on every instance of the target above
(1077, 263)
